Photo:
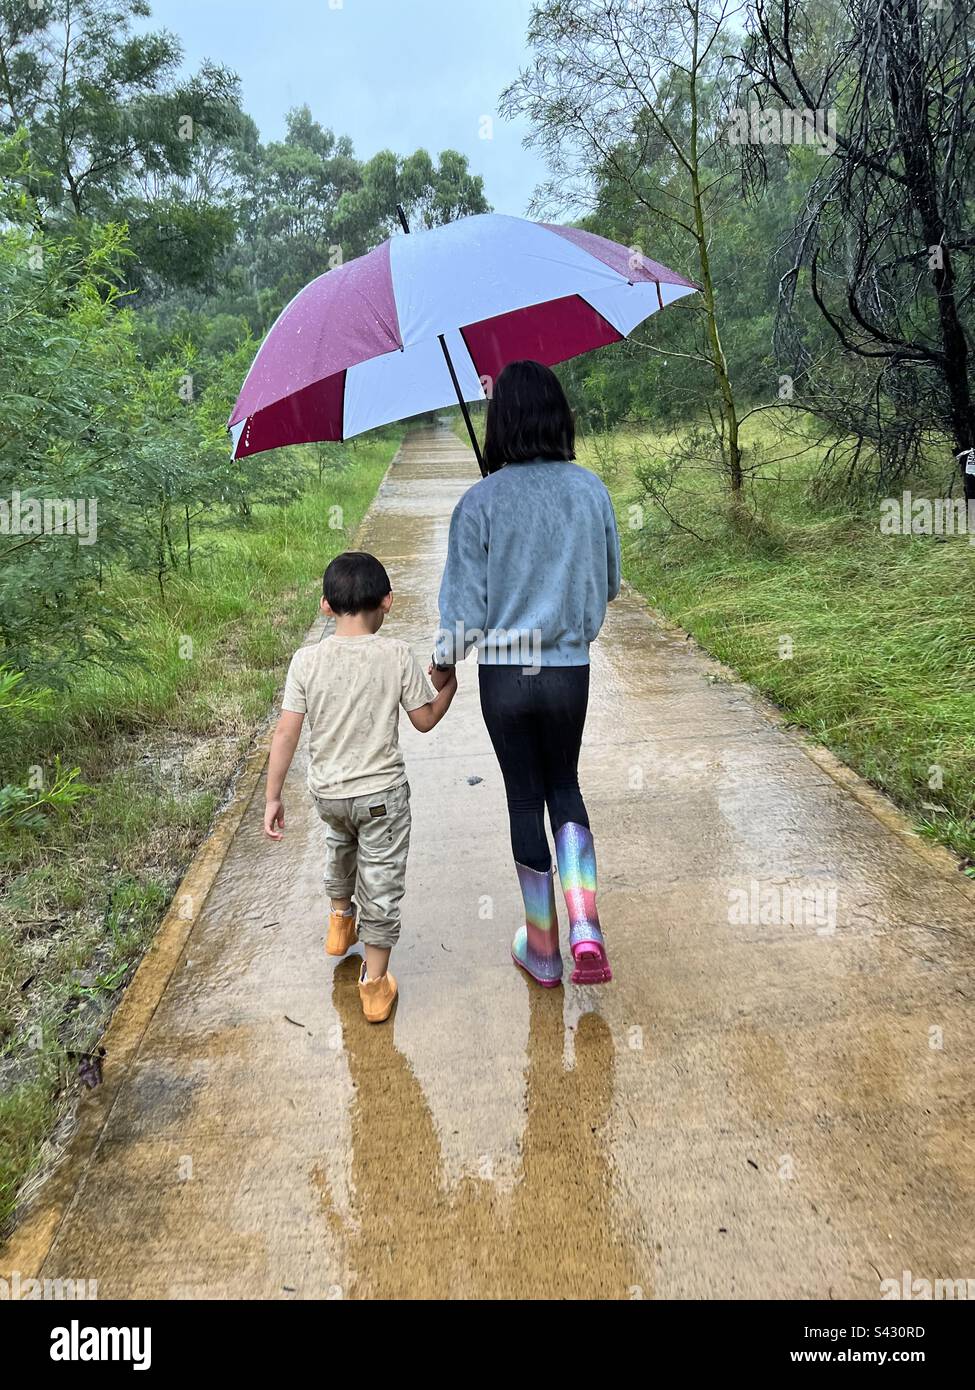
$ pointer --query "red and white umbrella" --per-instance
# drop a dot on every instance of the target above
(426, 319)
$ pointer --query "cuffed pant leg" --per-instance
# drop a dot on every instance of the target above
(384, 843)
(341, 847)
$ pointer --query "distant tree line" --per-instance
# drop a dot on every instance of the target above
(148, 238)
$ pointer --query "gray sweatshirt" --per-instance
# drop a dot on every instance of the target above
(533, 559)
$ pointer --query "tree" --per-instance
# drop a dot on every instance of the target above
(635, 95)
(885, 235)
(307, 203)
(115, 136)
(67, 379)
(431, 195)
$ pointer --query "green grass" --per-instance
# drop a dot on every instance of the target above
(882, 628)
(157, 743)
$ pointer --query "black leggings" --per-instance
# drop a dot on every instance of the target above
(536, 723)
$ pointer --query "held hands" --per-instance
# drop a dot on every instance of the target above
(441, 679)
(274, 819)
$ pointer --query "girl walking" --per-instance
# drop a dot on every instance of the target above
(533, 559)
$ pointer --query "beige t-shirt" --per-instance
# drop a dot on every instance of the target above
(351, 690)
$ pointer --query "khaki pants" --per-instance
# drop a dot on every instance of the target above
(367, 839)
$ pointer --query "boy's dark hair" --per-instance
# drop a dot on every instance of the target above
(528, 417)
(355, 582)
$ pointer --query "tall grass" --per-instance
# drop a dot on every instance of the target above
(157, 741)
(866, 640)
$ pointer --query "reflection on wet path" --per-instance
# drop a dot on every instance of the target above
(761, 1104)
(552, 1235)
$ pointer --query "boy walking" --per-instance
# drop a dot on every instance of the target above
(350, 686)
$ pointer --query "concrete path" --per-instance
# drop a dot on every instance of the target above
(773, 1098)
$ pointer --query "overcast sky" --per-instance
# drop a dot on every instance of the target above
(392, 74)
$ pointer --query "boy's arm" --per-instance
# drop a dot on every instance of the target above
(283, 746)
(428, 716)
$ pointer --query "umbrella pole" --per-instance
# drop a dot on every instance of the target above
(463, 405)
(453, 375)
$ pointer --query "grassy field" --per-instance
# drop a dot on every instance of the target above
(865, 640)
(81, 898)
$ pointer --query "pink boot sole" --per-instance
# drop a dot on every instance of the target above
(592, 964)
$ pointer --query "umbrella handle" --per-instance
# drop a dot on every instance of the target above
(453, 375)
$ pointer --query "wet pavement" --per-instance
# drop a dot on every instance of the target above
(772, 1099)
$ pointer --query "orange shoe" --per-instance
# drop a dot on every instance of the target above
(343, 932)
(378, 996)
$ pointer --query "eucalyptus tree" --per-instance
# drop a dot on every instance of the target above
(308, 202)
(885, 240)
(115, 131)
(635, 95)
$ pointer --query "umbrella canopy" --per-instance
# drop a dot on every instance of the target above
(360, 346)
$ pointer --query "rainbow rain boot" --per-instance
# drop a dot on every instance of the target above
(576, 855)
(536, 944)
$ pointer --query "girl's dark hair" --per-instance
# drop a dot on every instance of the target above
(528, 417)
(355, 582)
